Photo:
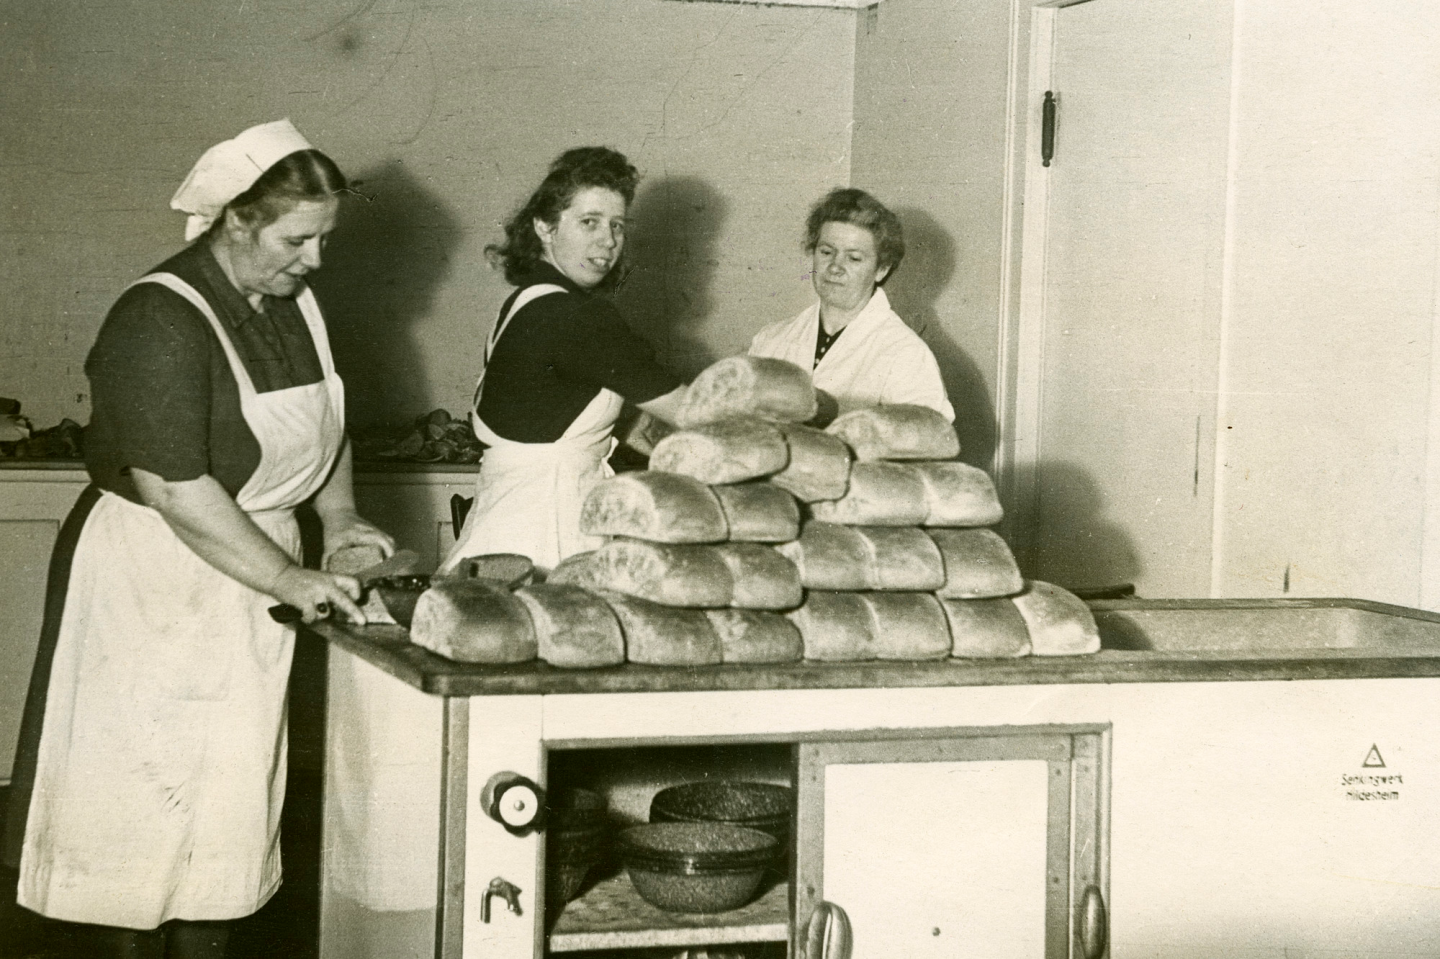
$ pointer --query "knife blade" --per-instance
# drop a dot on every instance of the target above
(403, 562)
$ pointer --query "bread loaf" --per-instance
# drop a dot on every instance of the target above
(748, 386)
(978, 564)
(663, 635)
(754, 636)
(355, 559)
(761, 577)
(908, 625)
(902, 558)
(958, 494)
(880, 494)
(689, 575)
(508, 569)
(1059, 622)
(900, 431)
(758, 512)
(819, 466)
(574, 628)
(473, 621)
(660, 507)
(986, 629)
(830, 557)
(835, 627)
(730, 451)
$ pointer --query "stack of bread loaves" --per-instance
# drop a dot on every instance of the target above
(708, 560)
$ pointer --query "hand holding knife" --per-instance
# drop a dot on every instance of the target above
(403, 562)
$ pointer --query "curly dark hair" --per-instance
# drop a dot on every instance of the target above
(302, 175)
(574, 170)
(856, 207)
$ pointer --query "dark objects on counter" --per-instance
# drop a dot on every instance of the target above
(62, 442)
(434, 437)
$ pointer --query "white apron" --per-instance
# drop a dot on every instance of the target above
(161, 770)
(528, 495)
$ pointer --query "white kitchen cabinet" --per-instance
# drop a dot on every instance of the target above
(412, 502)
(1224, 780)
(33, 504)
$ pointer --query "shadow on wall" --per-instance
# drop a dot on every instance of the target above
(674, 224)
(924, 274)
(390, 252)
(1076, 545)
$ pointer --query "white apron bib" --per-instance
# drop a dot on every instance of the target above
(161, 770)
(528, 495)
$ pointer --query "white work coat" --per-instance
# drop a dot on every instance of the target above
(877, 359)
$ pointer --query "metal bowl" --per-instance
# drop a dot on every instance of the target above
(763, 806)
(400, 593)
(696, 867)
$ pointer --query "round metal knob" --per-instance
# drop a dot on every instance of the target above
(513, 801)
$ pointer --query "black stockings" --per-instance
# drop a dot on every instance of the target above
(176, 939)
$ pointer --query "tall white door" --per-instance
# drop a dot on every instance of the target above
(1121, 278)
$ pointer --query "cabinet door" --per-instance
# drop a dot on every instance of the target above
(1122, 269)
(971, 844)
(25, 547)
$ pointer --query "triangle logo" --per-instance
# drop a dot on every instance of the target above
(1373, 759)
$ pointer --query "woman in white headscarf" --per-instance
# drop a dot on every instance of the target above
(155, 730)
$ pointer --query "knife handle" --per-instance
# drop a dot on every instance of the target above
(288, 615)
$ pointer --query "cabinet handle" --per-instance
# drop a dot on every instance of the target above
(1092, 923)
(1047, 128)
(827, 934)
(513, 801)
(505, 890)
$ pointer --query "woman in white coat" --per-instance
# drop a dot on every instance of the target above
(154, 735)
(855, 244)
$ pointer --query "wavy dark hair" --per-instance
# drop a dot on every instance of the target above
(299, 176)
(856, 207)
(574, 170)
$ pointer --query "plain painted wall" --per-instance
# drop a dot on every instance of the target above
(448, 112)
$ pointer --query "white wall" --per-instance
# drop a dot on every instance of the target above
(449, 112)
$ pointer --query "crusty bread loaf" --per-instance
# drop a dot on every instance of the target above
(762, 578)
(673, 574)
(574, 628)
(729, 451)
(902, 558)
(473, 621)
(908, 626)
(1060, 623)
(660, 507)
(508, 569)
(880, 494)
(835, 626)
(958, 494)
(986, 629)
(355, 559)
(748, 386)
(830, 557)
(978, 564)
(899, 431)
(663, 635)
(755, 636)
(819, 466)
(758, 512)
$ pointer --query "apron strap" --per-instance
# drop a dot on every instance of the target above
(174, 283)
(523, 300)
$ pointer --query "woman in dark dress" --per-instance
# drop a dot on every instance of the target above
(158, 770)
(559, 365)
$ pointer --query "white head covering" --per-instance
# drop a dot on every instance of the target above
(230, 168)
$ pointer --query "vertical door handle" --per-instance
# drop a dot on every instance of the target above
(1047, 128)
(1092, 923)
(827, 934)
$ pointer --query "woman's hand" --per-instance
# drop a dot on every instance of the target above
(318, 594)
(346, 528)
